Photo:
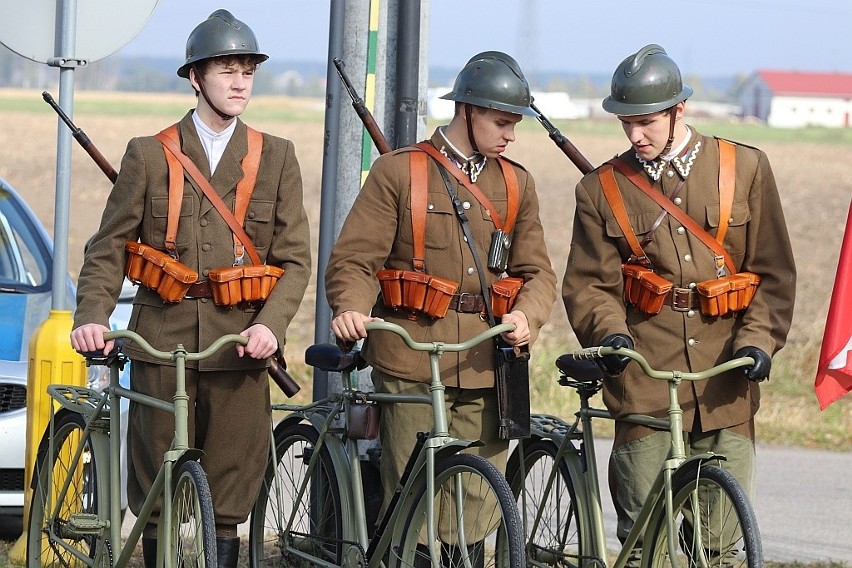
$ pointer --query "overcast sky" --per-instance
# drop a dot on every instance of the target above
(705, 37)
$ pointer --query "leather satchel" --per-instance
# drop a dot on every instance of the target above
(512, 378)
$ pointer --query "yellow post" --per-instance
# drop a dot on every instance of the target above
(51, 360)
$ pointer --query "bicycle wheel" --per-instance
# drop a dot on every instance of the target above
(193, 528)
(285, 526)
(61, 525)
(714, 521)
(551, 520)
(477, 519)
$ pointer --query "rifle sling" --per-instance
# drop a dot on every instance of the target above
(251, 163)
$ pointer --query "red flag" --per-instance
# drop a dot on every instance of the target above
(834, 374)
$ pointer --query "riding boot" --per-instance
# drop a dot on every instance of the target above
(227, 551)
(149, 551)
(452, 555)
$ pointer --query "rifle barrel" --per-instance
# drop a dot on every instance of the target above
(362, 111)
(567, 147)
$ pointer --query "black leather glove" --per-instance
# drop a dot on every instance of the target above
(762, 363)
(613, 365)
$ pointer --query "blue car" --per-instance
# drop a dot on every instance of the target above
(26, 266)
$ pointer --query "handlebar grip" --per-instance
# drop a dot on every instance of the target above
(278, 372)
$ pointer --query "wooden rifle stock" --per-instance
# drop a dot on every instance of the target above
(278, 372)
(362, 111)
(584, 165)
(84, 140)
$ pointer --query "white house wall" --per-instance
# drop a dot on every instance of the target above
(796, 112)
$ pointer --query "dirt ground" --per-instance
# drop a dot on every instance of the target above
(815, 182)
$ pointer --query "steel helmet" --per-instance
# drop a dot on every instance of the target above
(220, 34)
(647, 81)
(492, 79)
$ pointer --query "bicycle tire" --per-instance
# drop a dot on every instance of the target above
(317, 531)
(727, 524)
(193, 527)
(500, 544)
(51, 538)
(555, 538)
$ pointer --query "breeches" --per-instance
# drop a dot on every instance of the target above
(471, 415)
(229, 419)
(633, 467)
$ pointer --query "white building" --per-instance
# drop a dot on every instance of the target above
(792, 99)
(555, 106)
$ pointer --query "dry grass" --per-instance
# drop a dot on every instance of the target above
(814, 179)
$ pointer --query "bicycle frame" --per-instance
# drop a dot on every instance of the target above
(345, 456)
(581, 462)
(108, 443)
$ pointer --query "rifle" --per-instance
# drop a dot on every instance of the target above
(584, 165)
(84, 140)
(362, 111)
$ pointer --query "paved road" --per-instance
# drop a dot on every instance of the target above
(803, 503)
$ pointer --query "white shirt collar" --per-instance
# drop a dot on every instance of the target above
(214, 143)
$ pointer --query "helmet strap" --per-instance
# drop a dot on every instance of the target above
(672, 115)
(200, 82)
(468, 113)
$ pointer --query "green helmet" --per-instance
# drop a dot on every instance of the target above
(647, 81)
(220, 34)
(492, 79)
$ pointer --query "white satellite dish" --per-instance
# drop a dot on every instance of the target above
(32, 28)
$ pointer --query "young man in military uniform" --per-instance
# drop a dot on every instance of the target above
(229, 393)
(649, 99)
(491, 96)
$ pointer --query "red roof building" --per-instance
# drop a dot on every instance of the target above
(794, 99)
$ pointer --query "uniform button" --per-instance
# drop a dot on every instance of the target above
(204, 300)
(205, 272)
(692, 285)
(430, 206)
(465, 239)
(471, 270)
(670, 173)
(678, 200)
(687, 257)
(690, 314)
(206, 247)
(730, 219)
(680, 230)
(203, 222)
(251, 214)
(691, 342)
(466, 205)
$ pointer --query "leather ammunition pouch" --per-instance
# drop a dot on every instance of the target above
(416, 292)
(503, 294)
(645, 290)
(512, 379)
(236, 285)
(362, 420)
(722, 296)
(158, 271)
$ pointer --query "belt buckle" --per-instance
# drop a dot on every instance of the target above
(682, 299)
(467, 302)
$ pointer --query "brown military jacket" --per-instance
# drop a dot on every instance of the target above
(137, 209)
(377, 234)
(757, 241)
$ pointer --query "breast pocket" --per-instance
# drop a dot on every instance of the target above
(735, 239)
(155, 234)
(259, 223)
(441, 223)
(642, 223)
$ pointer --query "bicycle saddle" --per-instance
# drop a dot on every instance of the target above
(583, 370)
(329, 357)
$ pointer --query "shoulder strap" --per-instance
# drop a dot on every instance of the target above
(723, 259)
(509, 177)
(727, 184)
(175, 194)
(418, 200)
(169, 139)
(616, 203)
(245, 187)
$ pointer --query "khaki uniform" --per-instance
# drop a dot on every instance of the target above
(277, 224)
(757, 241)
(377, 234)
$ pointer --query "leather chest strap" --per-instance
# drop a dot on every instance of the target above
(419, 201)
(616, 203)
(727, 184)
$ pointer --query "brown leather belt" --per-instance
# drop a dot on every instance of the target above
(468, 303)
(682, 299)
(199, 289)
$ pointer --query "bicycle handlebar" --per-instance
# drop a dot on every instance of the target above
(598, 352)
(170, 355)
(435, 346)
